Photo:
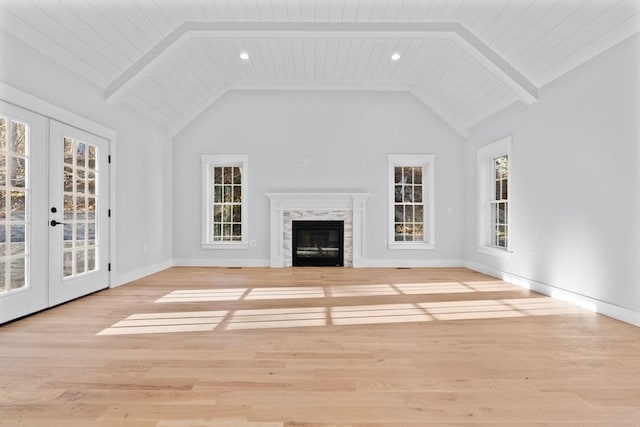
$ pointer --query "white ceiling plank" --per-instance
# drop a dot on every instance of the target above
(132, 100)
(583, 36)
(20, 28)
(526, 22)
(575, 54)
(573, 23)
(319, 60)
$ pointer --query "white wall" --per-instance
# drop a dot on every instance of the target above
(143, 155)
(345, 136)
(576, 182)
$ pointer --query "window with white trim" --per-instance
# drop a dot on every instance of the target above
(411, 201)
(494, 197)
(224, 200)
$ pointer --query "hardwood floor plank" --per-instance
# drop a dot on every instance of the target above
(319, 347)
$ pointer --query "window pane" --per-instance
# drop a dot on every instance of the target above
(3, 134)
(237, 231)
(505, 194)
(80, 267)
(92, 157)
(237, 213)
(417, 175)
(80, 234)
(407, 175)
(80, 208)
(18, 172)
(397, 175)
(418, 232)
(217, 194)
(226, 214)
(417, 193)
(3, 242)
(237, 194)
(18, 138)
(68, 235)
(498, 190)
(91, 259)
(226, 231)
(3, 170)
(217, 213)
(227, 175)
(398, 194)
(502, 213)
(68, 179)
(3, 204)
(228, 194)
(408, 214)
(399, 213)
(80, 154)
(419, 213)
(237, 175)
(67, 264)
(408, 194)
(18, 208)
(217, 175)
(91, 183)
(68, 151)
(17, 272)
(399, 232)
(91, 233)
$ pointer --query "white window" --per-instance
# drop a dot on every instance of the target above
(411, 201)
(224, 201)
(494, 198)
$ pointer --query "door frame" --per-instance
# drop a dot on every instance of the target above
(24, 100)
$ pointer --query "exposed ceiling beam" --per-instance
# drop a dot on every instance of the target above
(478, 50)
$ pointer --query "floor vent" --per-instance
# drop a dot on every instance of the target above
(403, 268)
(234, 268)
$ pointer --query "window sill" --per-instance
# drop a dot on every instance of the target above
(496, 252)
(229, 245)
(411, 245)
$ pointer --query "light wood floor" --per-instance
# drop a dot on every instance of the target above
(318, 347)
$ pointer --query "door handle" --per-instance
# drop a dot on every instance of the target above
(54, 222)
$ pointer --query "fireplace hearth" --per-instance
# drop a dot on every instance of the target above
(317, 243)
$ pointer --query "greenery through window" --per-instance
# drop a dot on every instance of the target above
(408, 204)
(227, 203)
(500, 204)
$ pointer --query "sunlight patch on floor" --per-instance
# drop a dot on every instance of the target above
(286, 292)
(277, 318)
(328, 315)
(202, 295)
(155, 323)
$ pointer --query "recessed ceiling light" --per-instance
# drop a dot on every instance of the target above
(244, 56)
(395, 56)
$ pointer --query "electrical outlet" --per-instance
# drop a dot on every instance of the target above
(305, 162)
(253, 243)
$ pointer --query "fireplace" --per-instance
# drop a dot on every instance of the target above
(317, 243)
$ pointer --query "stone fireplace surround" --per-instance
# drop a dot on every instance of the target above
(287, 207)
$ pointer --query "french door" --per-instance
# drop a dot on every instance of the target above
(78, 213)
(54, 236)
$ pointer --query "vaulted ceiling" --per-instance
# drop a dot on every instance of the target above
(465, 59)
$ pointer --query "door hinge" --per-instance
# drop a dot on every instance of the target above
(109, 213)
(109, 159)
(109, 267)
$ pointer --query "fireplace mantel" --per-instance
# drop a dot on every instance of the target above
(350, 203)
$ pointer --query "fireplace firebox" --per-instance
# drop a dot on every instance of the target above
(317, 243)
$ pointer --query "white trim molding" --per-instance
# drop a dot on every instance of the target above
(226, 160)
(427, 162)
(486, 193)
(281, 202)
(611, 310)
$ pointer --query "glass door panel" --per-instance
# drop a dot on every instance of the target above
(23, 184)
(79, 226)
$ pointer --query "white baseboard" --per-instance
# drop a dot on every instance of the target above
(221, 262)
(619, 313)
(121, 279)
(411, 263)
